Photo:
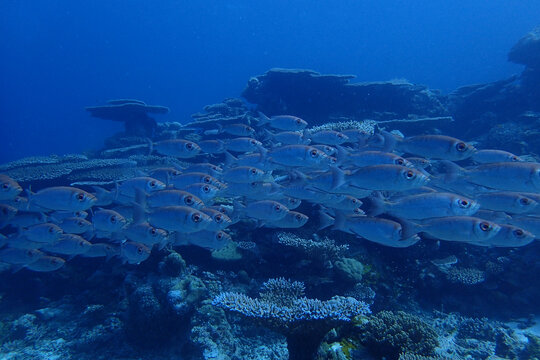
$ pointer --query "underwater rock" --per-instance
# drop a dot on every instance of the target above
(133, 113)
(316, 98)
(527, 50)
(173, 264)
(349, 269)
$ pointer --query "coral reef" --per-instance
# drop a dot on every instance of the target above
(320, 249)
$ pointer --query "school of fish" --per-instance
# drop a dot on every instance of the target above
(383, 187)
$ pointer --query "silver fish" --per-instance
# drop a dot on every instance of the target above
(289, 137)
(146, 234)
(106, 220)
(7, 213)
(245, 174)
(20, 256)
(206, 168)
(179, 218)
(232, 129)
(460, 228)
(179, 148)
(174, 198)
(69, 244)
(529, 223)
(134, 253)
(425, 206)
(20, 203)
(243, 144)
(264, 210)
(509, 202)
(42, 233)
(62, 198)
(509, 236)
(219, 220)
(102, 250)
(292, 220)
(205, 192)
(369, 158)
(511, 176)
(436, 147)
(282, 122)
(386, 177)
(494, 156)
(212, 146)
(186, 179)
(9, 188)
(163, 174)
(75, 225)
(328, 137)
(46, 264)
(212, 240)
(148, 185)
(299, 155)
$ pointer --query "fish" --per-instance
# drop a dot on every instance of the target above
(494, 156)
(163, 174)
(68, 244)
(206, 168)
(45, 264)
(20, 203)
(62, 198)
(529, 223)
(425, 206)
(327, 137)
(282, 122)
(219, 220)
(16, 256)
(9, 188)
(298, 155)
(369, 158)
(186, 179)
(440, 147)
(386, 177)
(147, 185)
(243, 144)
(205, 192)
(268, 210)
(146, 234)
(509, 202)
(288, 137)
(212, 240)
(508, 236)
(245, 174)
(254, 190)
(179, 148)
(134, 253)
(179, 218)
(174, 198)
(212, 146)
(459, 228)
(232, 129)
(42, 233)
(59, 216)
(75, 225)
(102, 250)
(108, 221)
(292, 220)
(326, 149)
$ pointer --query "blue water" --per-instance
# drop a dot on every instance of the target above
(60, 56)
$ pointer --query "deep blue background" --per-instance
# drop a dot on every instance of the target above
(56, 57)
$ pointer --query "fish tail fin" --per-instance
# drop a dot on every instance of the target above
(452, 170)
(325, 220)
(338, 177)
(409, 229)
(340, 219)
(342, 154)
(263, 119)
(389, 140)
(230, 160)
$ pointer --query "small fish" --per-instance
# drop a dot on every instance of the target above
(186, 179)
(106, 220)
(232, 129)
(268, 210)
(212, 240)
(59, 216)
(205, 192)
(179, 148)
(179, 218)
(219, 220)
(134, 253)
(509, 202)
(425, 206)
(146, 234)
(145, 184)
(436, 147)
(42, 233)
(75, 225)
(9, 188)
(509, 236)
(102, 250)
(282, 122)
(174, 198)
(292, 220)
(69, 244)
(494, 156)
(254, 190)
(298, 155)
(206, 168)
(328, 137)
(529, 223)
(164, 174)
(327, 149)
(45, 264)
(356, 136)
(212, 146)
(386, 177)
(369, 158)
(460, 228)
(20, 203)
(288, 137)
(245, 174)
(243, 144)
(20, 256)
(62, 198)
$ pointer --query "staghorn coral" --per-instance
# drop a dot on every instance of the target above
(367, 126)
(390, 333)
(303, 321)
(325, 249)
(409, 356)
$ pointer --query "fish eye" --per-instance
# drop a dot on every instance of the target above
(81, 244)
(400, 161)
(219, 235)
(514, 158)
(196, 217)
(524, 201)
(140, 250)
(218, 218)
(188, 200)
(5, 186)
(51, 230)
(113, 219)
(461, 146)
(357, 210)
(153, 231)
(463, 203)
(354, 201)
(277, 208)
(340, 135)
(484, 226)
(80, 223)
(80, 196)
(189, 146)
(314, 153)
(30, 253)
(206, 188)
(409, 174)
(518, 232)
(298, 217)
(206, 179)
(298, 121)
(152, 183)
(254, 171)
